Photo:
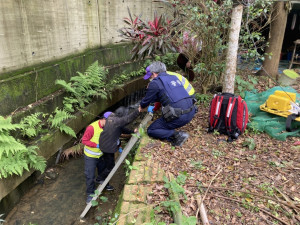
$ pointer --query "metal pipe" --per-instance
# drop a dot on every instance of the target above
(125, 152)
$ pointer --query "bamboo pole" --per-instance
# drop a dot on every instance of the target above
(177, 216)
(125, 152)
(202, 210)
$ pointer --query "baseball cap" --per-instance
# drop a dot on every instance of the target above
(121, 111)
(106, 114)
(148, 73)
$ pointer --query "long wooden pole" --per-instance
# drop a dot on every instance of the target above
(125, 152)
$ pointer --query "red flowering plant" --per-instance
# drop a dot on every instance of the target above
(150, 38)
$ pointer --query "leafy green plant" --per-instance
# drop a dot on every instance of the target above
(250, 143)
(203, 98)
(121, 79)
(197, 164)
(244, 85)
(129, 167)
(253, 128)
(201, 30)
(31, 125)
(15, 157)
(83, 87)
(276, 164)
(266, 187)
(217, 153)
(150, 38)
(57, 121)
(169, 59)
(175, 185)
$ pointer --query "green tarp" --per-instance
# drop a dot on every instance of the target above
(266, 122)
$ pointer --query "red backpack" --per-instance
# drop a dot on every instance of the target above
(228, 115)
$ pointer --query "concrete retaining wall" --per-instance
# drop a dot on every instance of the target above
(41, 41)
(39, 31)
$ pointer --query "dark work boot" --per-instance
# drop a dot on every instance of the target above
(108, 187)
(179, 138)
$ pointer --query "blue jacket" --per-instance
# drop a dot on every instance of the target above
(167, 89)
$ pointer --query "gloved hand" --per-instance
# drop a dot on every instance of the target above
(97, 146)
(120, 150)
(150, 108)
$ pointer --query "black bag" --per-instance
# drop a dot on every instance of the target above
(169, 113)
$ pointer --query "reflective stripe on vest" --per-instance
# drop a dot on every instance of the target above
(186, 84)
(90, 151)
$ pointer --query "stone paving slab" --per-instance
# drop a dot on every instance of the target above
(136, 193)
(134, 213)
(134, 207)
(145, 172)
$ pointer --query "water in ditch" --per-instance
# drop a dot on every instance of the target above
(59, 195)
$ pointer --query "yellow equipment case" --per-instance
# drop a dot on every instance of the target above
(280, 104)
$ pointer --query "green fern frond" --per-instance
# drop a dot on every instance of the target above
(8, 148)
(40, 164)
(65, 85)
(31, 125)
(7, 139)
(59, 117)
(20, 161)
(12, 165)
(69, 108)
(68, 130)
(6, 125)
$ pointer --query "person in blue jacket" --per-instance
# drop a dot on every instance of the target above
(177, 105)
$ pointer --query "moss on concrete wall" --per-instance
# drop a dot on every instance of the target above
(30, 86)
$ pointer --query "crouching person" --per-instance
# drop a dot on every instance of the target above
(177, 100)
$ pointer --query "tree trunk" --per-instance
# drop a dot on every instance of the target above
(231, 58)
(276, 35)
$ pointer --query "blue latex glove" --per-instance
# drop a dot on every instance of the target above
(97, 146)
(150, 108)
(120, 150)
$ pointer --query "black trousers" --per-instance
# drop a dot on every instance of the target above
(109, 159)
(90, 165)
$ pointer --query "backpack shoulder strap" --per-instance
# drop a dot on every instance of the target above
(230, 107)
(216, 113)
(288, 123)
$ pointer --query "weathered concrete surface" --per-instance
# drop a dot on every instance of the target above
(35, 31)
(23, 89)
(134, 207)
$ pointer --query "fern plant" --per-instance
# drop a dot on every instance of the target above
(31, 125)
(57, 121)
(15, 157)
(83, 87)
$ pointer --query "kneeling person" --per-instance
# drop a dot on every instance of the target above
(176, 100)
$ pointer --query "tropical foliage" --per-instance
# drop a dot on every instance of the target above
(57, 121)
(15, 157)
(150, 38)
